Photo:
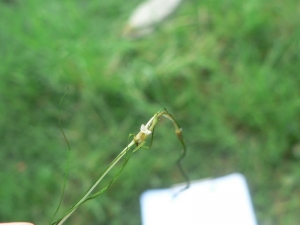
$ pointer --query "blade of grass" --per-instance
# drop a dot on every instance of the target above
(68, 158)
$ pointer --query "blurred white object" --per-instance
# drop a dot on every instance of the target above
(220, 201)
(147, 15)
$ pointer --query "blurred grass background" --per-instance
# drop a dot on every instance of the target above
(227, 70)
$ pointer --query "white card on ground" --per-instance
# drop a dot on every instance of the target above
(220, 201)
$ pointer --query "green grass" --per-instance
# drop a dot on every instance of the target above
(227, 70)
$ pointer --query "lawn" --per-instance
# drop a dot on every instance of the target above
(229, 71)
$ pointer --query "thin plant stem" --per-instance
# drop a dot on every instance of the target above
(68, 157)
(138, 141)
(85, 197)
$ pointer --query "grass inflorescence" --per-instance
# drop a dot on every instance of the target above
(228, 69)
(138, 141)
